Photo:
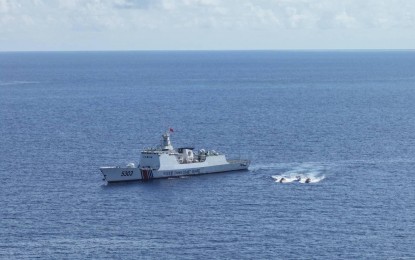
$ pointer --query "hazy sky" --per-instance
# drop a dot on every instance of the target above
(206, 24)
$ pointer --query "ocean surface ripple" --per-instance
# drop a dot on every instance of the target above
(343, 120)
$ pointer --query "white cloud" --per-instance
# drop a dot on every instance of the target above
(263, 15)
(8, 6)
(19, 19)
(306, 14)
(135, 4)
(346, 20)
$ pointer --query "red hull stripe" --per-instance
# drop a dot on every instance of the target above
(146, 174)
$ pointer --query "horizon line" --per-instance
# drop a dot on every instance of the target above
(211, 50)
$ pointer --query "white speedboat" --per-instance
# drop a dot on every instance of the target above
(164, 162)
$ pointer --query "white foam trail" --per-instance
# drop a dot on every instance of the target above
(303, 178)
(312, 179)
(302, 173)
(8, 83)
(284, 179)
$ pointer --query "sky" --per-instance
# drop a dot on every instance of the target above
(72, 25)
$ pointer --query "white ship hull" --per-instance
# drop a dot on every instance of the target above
(165, 162)
(118, 174)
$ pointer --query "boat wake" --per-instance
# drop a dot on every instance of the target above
(303, 173)
(294, 172)
(16, 82)
(302, 178)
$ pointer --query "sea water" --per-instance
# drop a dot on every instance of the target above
(346, 120)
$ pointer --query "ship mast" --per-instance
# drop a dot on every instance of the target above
(165, 142)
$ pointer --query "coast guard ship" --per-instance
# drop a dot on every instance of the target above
(165, 162)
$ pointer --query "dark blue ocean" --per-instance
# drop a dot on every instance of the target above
(345, 119)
